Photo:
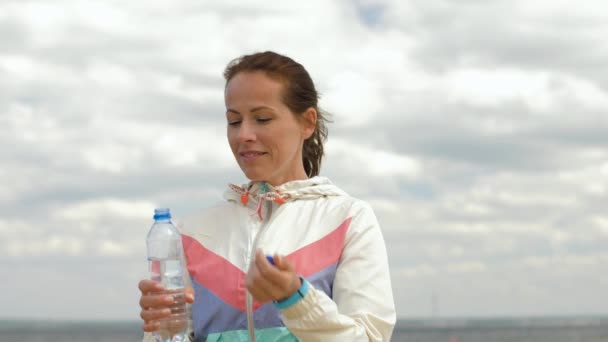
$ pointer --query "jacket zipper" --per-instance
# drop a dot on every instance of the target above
(248, 297)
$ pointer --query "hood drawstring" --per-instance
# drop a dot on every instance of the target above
(264, 195)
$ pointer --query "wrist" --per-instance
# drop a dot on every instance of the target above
(295, 297)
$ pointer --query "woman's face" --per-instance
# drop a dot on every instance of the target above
(264, 135)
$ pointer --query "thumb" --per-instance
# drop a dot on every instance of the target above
(189, 295)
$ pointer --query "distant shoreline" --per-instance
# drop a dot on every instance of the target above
(505, 322)
(530, 329)
(433, 323)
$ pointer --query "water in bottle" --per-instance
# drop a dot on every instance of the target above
(165, 257)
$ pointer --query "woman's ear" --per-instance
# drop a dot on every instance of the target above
(309, 122)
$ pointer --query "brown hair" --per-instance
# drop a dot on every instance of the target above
(299, 95)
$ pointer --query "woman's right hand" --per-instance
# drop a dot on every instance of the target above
(155, 304)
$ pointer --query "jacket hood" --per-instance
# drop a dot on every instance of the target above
(306, 189)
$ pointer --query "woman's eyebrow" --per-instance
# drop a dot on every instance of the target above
(254, 109)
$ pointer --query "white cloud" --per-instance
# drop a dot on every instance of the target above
(110, 75)
(11, 228)
(354, 99)
(549, 9)
(466, 267)
(113, 248)
(592, 179)
(22, 68)
(96, 210)
(54, 245)
(565, 261)
(543, 92)
(46, 22)
(416, 271)
(601, 223)
(377, 162)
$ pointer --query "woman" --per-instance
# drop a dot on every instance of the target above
(330, 279)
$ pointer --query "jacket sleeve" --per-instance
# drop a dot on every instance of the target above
(362, 308)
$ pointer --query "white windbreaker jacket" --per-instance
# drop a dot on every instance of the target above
(334, 242)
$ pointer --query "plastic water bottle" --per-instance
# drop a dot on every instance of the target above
(165, 257)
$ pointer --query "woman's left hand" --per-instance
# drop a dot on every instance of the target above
(268, 282)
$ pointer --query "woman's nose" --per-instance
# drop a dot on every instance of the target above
(246, 131)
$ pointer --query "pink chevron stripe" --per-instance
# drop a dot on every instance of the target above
(318, 255)
(322, 253)
(227, 281)
(215, 273)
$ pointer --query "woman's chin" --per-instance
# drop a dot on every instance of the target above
(254, 176)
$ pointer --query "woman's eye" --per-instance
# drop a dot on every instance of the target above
(233, 123)
(263, 120)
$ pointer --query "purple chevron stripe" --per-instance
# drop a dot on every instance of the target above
(210, 314)
(324, 279)
(267, 316)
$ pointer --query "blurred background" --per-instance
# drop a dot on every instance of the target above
(477, 130)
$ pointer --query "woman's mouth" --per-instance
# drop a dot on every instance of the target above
(250, 155)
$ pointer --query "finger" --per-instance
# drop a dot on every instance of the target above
(189, 295)
(260, 291)
(148, 286)
(260, 288)
(151, 315)
(265, 268)
(156, 301)
(291, 281)
(283, 263)
(152, 326)
(280, 275)
(279, 283)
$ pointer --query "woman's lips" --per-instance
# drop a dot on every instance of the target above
(251, 155)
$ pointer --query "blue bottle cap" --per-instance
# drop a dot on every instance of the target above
(270, 259)
(162, 214)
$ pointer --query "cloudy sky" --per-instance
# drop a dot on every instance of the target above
(478, 131)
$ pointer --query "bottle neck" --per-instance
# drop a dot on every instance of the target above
(167, 220)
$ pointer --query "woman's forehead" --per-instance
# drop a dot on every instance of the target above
(253, 90)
